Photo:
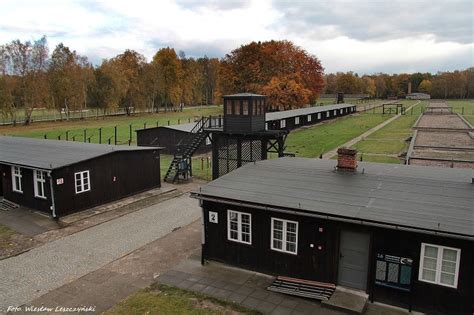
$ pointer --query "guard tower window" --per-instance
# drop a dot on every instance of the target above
(245, 108)
(236, 107)
(228, 107)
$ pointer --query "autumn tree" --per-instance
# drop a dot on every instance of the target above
(425, 86)
(169, 75)
(252, 67)
(281, 92)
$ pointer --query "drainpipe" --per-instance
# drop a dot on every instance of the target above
(203, 235)
(53, 206)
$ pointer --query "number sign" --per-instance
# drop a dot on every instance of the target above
(212, 217)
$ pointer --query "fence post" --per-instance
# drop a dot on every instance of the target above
(157, 123)
(130, 132)
(59, 137)
(179, 121)
(168, 122)
(144, 125)
(189, 120)
(462, 111)
(115, 134)
(100, 135)
(85, 135)
(67, 135)
(74, 138)
(45, 136)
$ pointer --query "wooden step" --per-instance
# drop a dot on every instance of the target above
(304, 288)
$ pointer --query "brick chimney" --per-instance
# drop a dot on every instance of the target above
(347, 159)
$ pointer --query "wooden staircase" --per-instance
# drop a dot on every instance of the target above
(304, 288)
(181, 165)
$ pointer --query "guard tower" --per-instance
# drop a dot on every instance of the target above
(244, 138)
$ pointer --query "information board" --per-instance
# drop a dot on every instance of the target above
(393, 272)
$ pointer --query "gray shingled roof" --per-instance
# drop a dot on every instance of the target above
(52, 154)
(182, 127)
(419, 197)
(243, 95)
(303, 111)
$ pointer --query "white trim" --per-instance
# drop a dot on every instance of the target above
(84, 180)
(297, 120)
(319, 116)
(16, 175)
(308, 118)
(439, 263)
(239, 227)
(284, 240)
(39, 180)
(282, 123)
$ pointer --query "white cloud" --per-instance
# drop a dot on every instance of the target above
(342, 40)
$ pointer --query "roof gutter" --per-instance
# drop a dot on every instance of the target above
(333, 218)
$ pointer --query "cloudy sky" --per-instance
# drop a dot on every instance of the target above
(365, 36)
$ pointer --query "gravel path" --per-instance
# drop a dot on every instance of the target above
(34, 273)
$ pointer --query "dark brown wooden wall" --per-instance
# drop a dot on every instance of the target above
(322, 265)
(134, 171)
(27, 198)
(167, 138)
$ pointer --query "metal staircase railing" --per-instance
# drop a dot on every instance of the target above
(187, 146)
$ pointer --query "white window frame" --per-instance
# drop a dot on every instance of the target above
(239, 227)
(328, 114)
(284, 235)
(335, 112)
(16, 175)
(319, 116)
(439, 261)
(39, 180)
(308, 118)
(341, 111)
(297, 120)
(282, 123)
(80, 188)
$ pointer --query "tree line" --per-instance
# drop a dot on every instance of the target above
(31, 77)
(442, 85)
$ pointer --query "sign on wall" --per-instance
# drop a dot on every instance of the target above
(59, 181)
(393, 272)
(213, 217)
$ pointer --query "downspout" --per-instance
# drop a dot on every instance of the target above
(53, 205)
(203, 234)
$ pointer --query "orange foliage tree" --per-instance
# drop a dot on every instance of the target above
(289, 75)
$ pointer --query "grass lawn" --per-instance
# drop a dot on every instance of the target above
(387, 143)
(162, 299)
(321, 138)
(76, 127)
(201, 168)
(464, 107)
(5, 234)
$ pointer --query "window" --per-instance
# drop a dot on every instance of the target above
(208, 139)
(439, 265)
(245, 108)
(340, 111)
(228, 107)
(236, 107)
(39, 178)
(319, 115)
(284, 236)
(328, 114)
(16, 179)
(309, 118)
(282, 124)
(239, 227)
(297, 120)
(82, 182)
(335, 112)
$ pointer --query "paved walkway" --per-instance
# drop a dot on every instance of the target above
(249, 289)
(350, 143)
(34, 273)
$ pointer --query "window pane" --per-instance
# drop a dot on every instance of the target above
(291, 247)
(429, 275)
(431, 251)
(233, 216)
(291, 227)
(245, 218)
(291, 237)
(277, 235)
(429, 263)
(245, 228)
(246, 237)
(277, 244)
(233, 226)
(450, 255)
(447, 278)
(245, 107)
(278, 225)
(233, 235)
(448, 266)
(78, 176)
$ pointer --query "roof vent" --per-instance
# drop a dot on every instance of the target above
(347, 159)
